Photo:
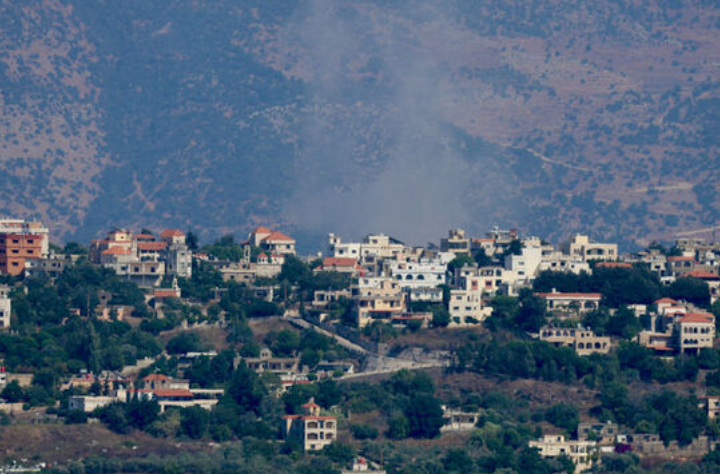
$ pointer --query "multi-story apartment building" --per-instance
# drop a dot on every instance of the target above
(466, 306)
(21, 241)
(695, 331)
(143, 258)
(579, 246)
(311, 429)
(377, 299)
(456, 242)
(422, 274)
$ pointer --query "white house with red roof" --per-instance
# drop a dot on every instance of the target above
(311, 429)
(272, 242)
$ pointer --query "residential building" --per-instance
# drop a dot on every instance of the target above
(583, 341)
(5, 307)
(346, 265)
(51, 266)
(267, 363)
(377, 298)
(311, 429)
(177, 255)
(695, 331)
(678, 265)
(466, 305)
(557, 261)
(372, 247)
(89, 404)
(163, 382)
(322, 298)
(579, 452)
(21, 241)
(525, 266)
(425, 295)
(422, 274)
(581, 247)
(602, 433)
(571, 303)
(711, 405)
(459, 420)
(271, 241)
(456, 242)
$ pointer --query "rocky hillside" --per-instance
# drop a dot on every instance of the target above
(553, 116)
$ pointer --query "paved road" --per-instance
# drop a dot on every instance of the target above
(384, 364)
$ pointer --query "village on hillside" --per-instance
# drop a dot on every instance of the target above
(126, 333)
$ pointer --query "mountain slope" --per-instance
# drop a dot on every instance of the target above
(551, 116)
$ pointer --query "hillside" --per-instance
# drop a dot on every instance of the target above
(354, 116)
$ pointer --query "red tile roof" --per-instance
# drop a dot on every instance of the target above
(116, 251)
(680, 259)
(278, 237)
(666, 301)
(151, 246)
(261, 230)
(706, 318)
(165, 294)
(262, 255)
(338, 262)
(175, 393)
(701, 274)
(171, 233)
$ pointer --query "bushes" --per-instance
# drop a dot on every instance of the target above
(362, 432)
(563, 415)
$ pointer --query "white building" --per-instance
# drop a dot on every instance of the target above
(422, 274)
(525, 266)
(5, 306)
(373, 246)
(466, 306)
(579, 452)
(579, 246)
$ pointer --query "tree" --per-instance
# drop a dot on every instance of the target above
(75, 417)
(481, 258)
(191, 240)
(425, 416)
(183, 343)
(441, 317)
(693, 290)
(245, 389)
(286, 343)
(459, 261)
(13, 392)
(531, 316)
(113, 415)
(194, 422)
(294, 270)
(563, 415)
(398, 427)
(362, 432)
(623, 323)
